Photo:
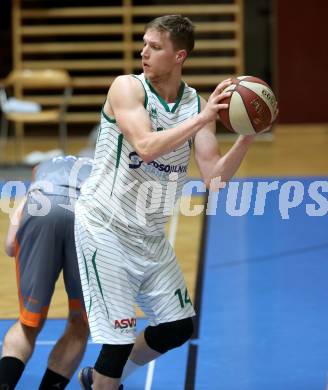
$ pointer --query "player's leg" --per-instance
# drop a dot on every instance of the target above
(68, 351)
(107, 261)
(66, 355)
(164, 299)
(160, 339)
(19, 341)
(34, 289)
(154, 341)
(109, 366)
(142, 353)
(18, 346)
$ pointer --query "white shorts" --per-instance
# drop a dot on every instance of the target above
(119, 270)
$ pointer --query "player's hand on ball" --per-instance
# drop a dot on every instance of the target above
(214, 103)
(223, 94)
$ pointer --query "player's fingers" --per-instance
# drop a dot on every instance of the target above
(224, 95)
(216, 99)
(223, 106)
(224, 83)
(222, 86)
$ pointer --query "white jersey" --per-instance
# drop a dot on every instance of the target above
(122, 189)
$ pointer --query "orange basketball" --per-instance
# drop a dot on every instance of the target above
(252, 106)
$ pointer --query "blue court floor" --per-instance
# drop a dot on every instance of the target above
(262, 297)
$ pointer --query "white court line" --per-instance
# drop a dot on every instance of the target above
(172, 235)
(150, 375)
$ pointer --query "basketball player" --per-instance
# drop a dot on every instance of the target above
(148, 125)
(43, 244)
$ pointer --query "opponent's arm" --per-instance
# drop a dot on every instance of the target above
(126, 100)
(12, 229)
(209, 159)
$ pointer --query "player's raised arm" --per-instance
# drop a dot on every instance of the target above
(126, 102)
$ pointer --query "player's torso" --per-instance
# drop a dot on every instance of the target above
(122, 182)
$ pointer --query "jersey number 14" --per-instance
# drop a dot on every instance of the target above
(183, 298)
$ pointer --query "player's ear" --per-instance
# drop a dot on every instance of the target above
(181, 56)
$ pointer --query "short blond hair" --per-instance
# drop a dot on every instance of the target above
(181, 29)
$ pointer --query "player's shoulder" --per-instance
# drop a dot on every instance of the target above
(127, 85)
(127, 82)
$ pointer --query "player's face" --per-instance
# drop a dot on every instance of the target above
(158, 54)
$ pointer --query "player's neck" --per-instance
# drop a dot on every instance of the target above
(168, 87)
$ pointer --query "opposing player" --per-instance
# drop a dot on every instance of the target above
(43, 244)
(148, 125)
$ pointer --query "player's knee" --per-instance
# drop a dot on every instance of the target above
(112, 359)
(78, 327)
(31, 332)
(169, 335)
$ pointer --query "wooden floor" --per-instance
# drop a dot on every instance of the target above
(295, 150)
